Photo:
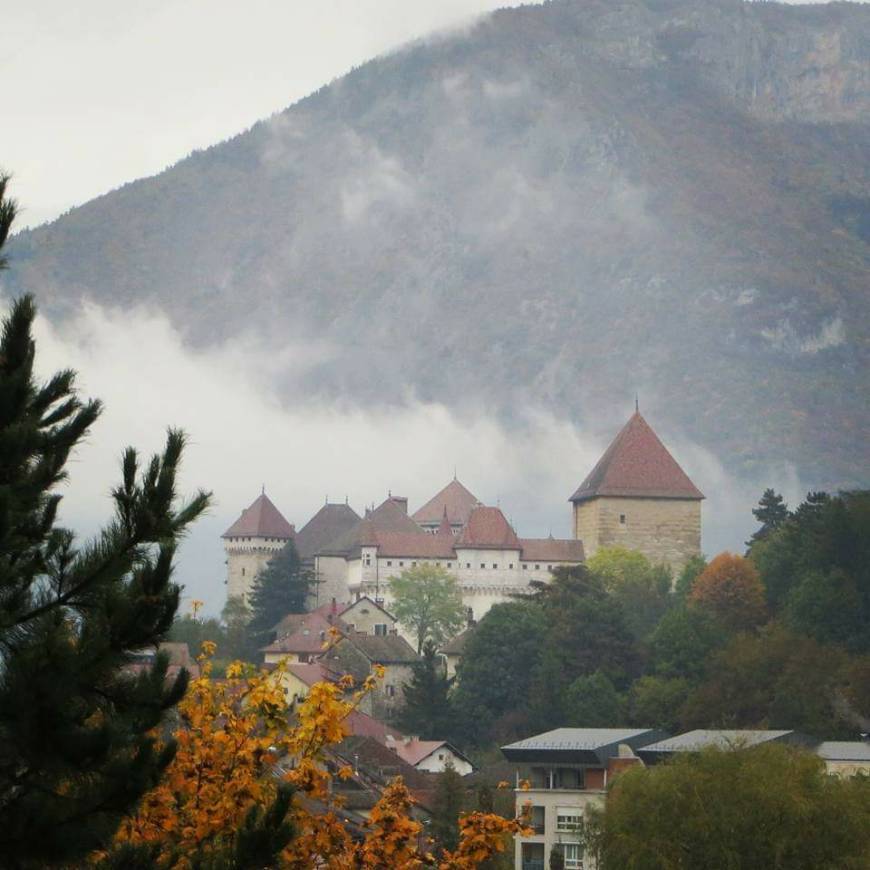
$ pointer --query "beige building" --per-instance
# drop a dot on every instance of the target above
(637, 497)
(251, 541)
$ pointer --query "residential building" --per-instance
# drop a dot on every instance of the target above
(845, 758)
(360, 654)
(559, 775)
(453, 650)
(432, 756)
(695, 741)
(638, 497)
(179, 658)
(251, 541)
(306, 640)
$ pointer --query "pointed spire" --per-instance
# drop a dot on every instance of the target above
(444, 527)
(636, 404)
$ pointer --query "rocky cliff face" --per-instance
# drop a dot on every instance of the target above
(563, 205)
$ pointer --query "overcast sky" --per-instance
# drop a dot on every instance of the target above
(99, 92)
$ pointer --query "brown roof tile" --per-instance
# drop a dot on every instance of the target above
(487, 528)
(456, 645)
(420, 545)
(455, 499)
(307, 636)
(390, 649)
(552, 550)
(389, 516)
(637, 464)
(261, 520)
(324, 527)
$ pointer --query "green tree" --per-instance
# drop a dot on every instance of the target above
(446, 807)
(771, 806)
(656, 702)
(593, 702)
(282, 587)
(775, 679)
(772, 512)
(586, 631)
(427, 710)
(557, 859)
(8, 210)
(494, 678)
(688, 575)
(428, 603)
(642, 589)
(235, 615)
(76, 752)
(683, 642)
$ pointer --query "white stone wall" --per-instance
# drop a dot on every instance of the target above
(246, 557)
(439, 760)
(332, 579)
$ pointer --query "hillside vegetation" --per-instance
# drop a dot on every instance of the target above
(559, 206)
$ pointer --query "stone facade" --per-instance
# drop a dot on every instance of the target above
(246, 557)
(665, 530)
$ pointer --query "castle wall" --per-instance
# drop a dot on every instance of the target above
(665, 530)
(246, 557)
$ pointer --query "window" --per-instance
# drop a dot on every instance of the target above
(538, 820)
(389, 563)
(568, 819)
(441, 756)
(525, 566)
(511, 566)
(243, 572)
(468, 564)
(391, 691)
(573, 856)
(483, 564)
(549, 567)
(622, 519)
(413, 564)
(537, 567)
(381, 629)
(401, 564)
(494, 566)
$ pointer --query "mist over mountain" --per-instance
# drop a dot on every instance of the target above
(557, 207)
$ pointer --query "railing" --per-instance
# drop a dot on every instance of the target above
(533, 864)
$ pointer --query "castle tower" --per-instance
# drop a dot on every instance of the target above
(638, 497)
(251, 541)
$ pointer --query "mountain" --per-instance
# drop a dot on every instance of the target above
(556, 207)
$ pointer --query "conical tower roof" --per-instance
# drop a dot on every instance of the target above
(637, 465)
(261, 520)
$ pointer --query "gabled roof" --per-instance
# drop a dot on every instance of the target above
(312, 672)
(330, 611)
(552, 550)
(261, 520)
(487, 528)
(364, 601)
(414, 751)
(324, 527)
(389, 516)
(419, 545)
(637, 464)
(309, 635)
(456, 646)
(390, 649)
(579, 745)
(455, 499)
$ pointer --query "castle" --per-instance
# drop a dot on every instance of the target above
(636, 497)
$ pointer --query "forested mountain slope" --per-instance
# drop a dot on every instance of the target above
(558, 206)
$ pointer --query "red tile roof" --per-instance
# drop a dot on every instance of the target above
(390, 516)
(455, 498)
(487, 528)
(312, 672)
(637, 464)
(552, 550)
(419, 545)
(261, 520)
(309, 635)
(362, 725)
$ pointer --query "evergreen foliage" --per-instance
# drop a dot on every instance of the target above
(8, 210)
(686, 580)
(772, 512)
(427, 704)
(446, 807)
(282, 587)
(75, 748)
(593, 702)
(427, 602)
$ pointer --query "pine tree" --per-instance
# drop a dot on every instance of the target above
(772, 512)
(446, 807)
(75, 748)
(427, 705)
(282, 587)
(8, 210)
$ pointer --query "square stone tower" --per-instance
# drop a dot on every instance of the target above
(638, 497)
(257, 535)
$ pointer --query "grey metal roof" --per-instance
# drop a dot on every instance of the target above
(844, 750)
(692, 741)
(579, 745)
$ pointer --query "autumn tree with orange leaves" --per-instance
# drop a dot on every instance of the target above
(248, 790)
(731, 589)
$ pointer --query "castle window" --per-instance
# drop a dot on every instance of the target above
(468, 564)
(401, 564)
(537, 567)
(494, 566)
(483, 565)
(511, 566)
(525, 567)
(622, 519)
(413, 564)
(243, 572)
(389, 563)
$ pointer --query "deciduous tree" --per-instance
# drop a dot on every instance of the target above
(428, 603)
(771, 806)
(731, 589)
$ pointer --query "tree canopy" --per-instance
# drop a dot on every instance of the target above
(428, 603)
(730, 589)
(427, 704)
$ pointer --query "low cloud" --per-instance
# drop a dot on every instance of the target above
(243, 435)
